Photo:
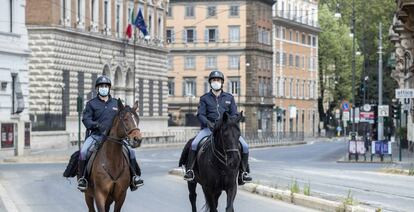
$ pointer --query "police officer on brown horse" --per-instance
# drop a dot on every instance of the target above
(98, 116)
(212, 106)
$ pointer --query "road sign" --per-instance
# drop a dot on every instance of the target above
(383, 111)
(404, 93)
(367, 107)
(345, 106)
(345, 116)
(367, 117)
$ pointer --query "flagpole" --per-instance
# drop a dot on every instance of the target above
(135, 39)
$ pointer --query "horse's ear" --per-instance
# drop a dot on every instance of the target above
(135, 108)
(120, 105)
(239, 117)
(225, 117)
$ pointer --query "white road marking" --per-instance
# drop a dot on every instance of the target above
(8, 203)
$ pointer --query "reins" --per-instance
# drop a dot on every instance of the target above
(221, 157)
(127, 132)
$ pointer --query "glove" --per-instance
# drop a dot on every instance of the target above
(210, 125)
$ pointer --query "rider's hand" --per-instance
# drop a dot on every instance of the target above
(210, 125)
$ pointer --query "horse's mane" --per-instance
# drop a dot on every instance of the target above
(221, 124)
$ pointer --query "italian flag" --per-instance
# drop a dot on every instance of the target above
(128, 31)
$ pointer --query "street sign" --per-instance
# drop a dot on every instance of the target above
(404, 93)
(337, 113)
(367, 107)
(367, 117)
(383, 111)
(345, 116)
(345, 106)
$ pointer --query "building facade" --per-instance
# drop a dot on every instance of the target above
(231, 36)
(401, 34)
(14, 54)
(295, 66)
(75, 41)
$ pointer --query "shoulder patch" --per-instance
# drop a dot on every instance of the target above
(114, 108)
(228, 102)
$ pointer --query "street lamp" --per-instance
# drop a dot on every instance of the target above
(353, 134)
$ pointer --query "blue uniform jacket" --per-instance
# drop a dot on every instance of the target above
(99, 112)
(212, 108)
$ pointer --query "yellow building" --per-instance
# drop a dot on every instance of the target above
(296, 66)
(231, 36)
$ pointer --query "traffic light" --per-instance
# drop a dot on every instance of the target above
(396, 110)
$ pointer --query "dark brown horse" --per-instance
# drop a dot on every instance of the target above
(218, 165)
(110, 175)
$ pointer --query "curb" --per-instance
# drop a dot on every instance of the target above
(297, 199)
(64, 156)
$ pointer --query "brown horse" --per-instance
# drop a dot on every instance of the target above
(110, 175)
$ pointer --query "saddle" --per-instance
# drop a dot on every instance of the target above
(93, 156)
(187, 148)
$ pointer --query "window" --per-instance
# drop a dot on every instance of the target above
(211, 35)
(260, 86)
(303, 39)
(284, 62)
(234, 61)
(189, 35)
(297, 61)
(211, 11)
(170, 35)
(206, 85)
(297, 37)
(170, 62)
(234, 86)
(277, 32)
(290, 35)
(314, 42)
(290, 60)
(171, 87)
(234, 33)
(9, 16)
(234, 10)
(189, 62)
(189, 11)
(118, 19)
(265, 37)
(277, 57)
(106, 13)
(309, 40)
(170, 12)
(189, 87)
(283, 33)
(211, 62)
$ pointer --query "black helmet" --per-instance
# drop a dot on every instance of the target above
(216, 74)
(103, 80)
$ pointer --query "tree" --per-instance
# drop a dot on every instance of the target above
(335, 60)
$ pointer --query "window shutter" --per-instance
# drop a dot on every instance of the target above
(184, 88)
(185, 36)
(217, 35)
(172, 36)
(195, 88)
(206, 35)
(195, 36)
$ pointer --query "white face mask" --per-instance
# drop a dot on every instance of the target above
(103, 91)
(216, 85)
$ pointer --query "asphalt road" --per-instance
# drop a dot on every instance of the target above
(40, 187)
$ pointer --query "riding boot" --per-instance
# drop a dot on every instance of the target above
(244, 170)
(189, 175)
(82, 182)
(136, 180)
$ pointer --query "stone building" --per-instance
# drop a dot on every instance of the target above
(14, 54)
(231, 36)
(74, 41)
(401, 34)
(295, 68)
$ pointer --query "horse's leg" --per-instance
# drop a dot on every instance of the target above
(216, 198)
(108, 203)
(119, 202)
(100, 199)
(192, 195)
(209, 196)
(231, 195)
(89, 203)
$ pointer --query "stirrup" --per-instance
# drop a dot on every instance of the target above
(245, 177)
(138, 182)
(188, 172)
(81, 187)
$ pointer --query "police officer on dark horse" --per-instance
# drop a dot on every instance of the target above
(212, 106)
(98, 116)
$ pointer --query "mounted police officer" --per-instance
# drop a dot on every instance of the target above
(210, 109)
(98, 116)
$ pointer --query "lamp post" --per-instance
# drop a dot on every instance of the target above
(353, 71)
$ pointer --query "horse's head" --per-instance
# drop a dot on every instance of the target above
(227, 132)
(128, 124)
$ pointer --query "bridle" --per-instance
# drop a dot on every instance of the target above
(222, 157)
(126, 130)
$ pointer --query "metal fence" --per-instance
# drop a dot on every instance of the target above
(48, 122)
(182, 136)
